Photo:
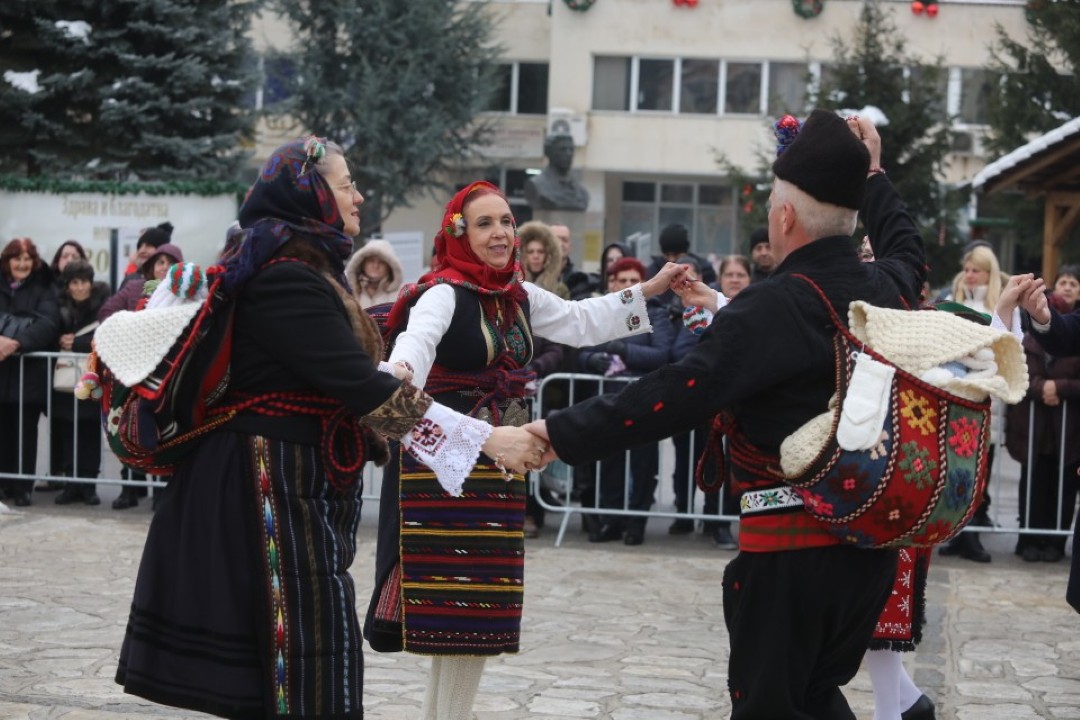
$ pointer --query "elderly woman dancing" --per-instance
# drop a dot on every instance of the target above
(243, 606)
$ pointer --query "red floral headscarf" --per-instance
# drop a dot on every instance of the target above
(455, 263)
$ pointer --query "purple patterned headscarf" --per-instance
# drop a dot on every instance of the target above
(289, 200)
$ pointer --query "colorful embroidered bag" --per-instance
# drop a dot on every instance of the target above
(921, 481)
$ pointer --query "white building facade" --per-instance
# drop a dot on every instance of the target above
(655, 91)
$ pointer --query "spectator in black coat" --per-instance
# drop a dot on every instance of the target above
(28, 323)
(628, 358)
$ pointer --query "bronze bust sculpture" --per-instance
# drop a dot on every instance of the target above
(555, 188)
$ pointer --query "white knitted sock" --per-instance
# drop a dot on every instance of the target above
(452, 688)
(886, 668)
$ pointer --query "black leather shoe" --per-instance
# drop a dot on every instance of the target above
(91, 498)
(1030, 554)
(971, 549)
(950, 548)
(22, 499)
(634, 536)
(606, 533)
(681, 526)
(125, 501)
(68, 496)
(923, 709)
(1051, 553)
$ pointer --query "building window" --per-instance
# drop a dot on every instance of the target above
(512, 182)
(279, 76)
(976, 86)
(689, 85)
(655, 84)
(521, 89)
(699, 86)
(706, 209)
(787, 88)
(742, 88)
(611, 83)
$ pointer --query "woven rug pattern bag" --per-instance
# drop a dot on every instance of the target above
(922, 475)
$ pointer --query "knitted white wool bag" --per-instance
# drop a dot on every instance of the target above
(133, 344)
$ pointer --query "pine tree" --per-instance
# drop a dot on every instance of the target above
(397, 84)
(875, 68)
(1040, 87)
(127, 89)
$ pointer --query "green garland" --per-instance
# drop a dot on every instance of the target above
(579, 5)
(808, 9)
(55, 186)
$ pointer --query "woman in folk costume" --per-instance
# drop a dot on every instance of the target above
(450, 561)
(243, 606)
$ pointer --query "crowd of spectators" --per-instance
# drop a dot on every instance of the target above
(56, 306)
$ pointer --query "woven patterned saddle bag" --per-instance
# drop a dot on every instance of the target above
(922, 481)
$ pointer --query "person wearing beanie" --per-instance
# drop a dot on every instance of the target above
(760, 255)
(150, 240)
(800, 607)
(675, 243)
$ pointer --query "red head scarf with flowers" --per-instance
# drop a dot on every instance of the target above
(455, 263)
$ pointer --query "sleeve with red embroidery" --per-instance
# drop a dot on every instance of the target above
(445, 440)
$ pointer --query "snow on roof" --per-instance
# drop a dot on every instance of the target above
(1024, 152)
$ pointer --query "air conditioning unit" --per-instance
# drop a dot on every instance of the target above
(968, 142)
(567, 122)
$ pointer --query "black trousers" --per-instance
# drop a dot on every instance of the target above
(800, 622)
(1046, 511)
(10, 417)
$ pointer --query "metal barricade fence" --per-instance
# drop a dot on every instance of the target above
(558, 478)
(556, 481)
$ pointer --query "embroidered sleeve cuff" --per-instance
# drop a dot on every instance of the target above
(449, 443)
(400, 412)
(635, 316)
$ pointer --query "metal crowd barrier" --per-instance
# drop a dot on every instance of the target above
(556, 480)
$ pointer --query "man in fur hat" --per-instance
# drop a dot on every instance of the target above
(800, 608)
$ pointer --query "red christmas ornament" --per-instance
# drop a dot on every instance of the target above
(691, 3)
(917, 7)
(932, 10)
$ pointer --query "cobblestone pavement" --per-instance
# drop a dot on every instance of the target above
(610, 631)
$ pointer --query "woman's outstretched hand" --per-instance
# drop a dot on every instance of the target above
(661, 281)
(515, 449)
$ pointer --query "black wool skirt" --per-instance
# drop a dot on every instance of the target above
(243, 606)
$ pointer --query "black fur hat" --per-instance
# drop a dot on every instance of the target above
(826, 161)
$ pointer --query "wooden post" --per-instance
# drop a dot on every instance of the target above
(1061, 216)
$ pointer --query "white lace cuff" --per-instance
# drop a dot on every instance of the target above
(449, 443)
(386, 367)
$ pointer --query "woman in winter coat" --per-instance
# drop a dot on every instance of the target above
(78, 452)
(1053, 396)
(374, 272)
(28, 323)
